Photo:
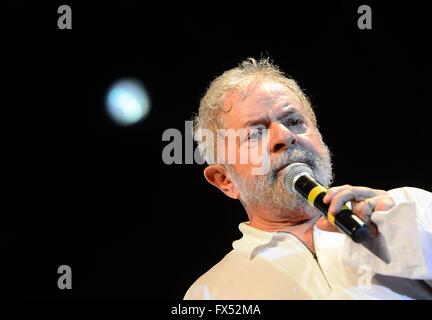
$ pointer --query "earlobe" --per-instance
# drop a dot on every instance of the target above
(216, 175)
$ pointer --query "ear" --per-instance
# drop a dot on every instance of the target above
(217, 175)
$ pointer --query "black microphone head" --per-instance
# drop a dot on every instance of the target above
(292, 172)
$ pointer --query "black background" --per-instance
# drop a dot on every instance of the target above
(81, 191)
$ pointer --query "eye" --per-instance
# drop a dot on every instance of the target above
(255, 134)
(295, 122)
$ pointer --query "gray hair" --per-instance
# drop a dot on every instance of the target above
(237, 80)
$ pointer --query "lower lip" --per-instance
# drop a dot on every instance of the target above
(282, 169)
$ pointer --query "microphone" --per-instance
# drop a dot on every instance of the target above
(299, 179)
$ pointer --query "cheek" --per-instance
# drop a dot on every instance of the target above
(244, 170)
(241, 170)
(252, 155)
(313, 141)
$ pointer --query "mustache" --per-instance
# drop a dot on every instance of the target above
(293, 154)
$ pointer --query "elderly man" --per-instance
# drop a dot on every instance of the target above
(288, 249)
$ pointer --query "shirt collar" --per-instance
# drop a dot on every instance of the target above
(255, 241)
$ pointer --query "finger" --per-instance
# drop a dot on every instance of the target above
(352, 194)
(331, 192)
(364, 209)
(383, 203)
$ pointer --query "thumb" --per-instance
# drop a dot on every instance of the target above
(324, 224)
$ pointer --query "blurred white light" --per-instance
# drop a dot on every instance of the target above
(127, 102)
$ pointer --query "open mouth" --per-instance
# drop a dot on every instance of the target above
(284, 166)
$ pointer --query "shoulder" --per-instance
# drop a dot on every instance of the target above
(407, 194)
(216, 281)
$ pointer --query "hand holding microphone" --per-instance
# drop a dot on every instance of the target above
(299, 179)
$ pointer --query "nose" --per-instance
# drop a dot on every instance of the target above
(281, 138)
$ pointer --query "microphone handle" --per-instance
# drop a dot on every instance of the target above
(346, 221)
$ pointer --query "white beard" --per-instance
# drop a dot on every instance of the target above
(268, 190)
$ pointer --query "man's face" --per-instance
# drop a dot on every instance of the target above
(290, 137)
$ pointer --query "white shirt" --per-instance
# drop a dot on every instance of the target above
(278, 265)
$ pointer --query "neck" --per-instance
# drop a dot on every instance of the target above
(301, 228)
(299, 222)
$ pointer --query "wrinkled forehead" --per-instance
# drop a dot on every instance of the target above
(267, 97)
(268, 94)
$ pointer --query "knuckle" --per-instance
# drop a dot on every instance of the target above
(330, 191)
(390, 202)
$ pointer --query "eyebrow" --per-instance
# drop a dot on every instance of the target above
(264, 119)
